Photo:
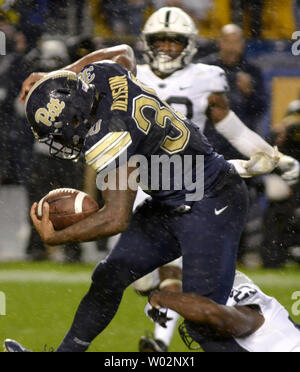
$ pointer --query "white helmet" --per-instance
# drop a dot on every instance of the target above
(170, 21)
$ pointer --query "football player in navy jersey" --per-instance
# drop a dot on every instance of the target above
(107, 115)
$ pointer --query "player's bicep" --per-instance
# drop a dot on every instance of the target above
(218, 107)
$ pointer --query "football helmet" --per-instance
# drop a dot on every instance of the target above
(53, 55)
(169, 22)
(58, 109)
(293, 108)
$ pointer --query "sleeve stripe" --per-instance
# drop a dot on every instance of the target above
(104, 159)
(103, 145)
(108, 158)
(110, 145)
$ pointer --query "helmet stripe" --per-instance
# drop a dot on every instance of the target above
(168, 15)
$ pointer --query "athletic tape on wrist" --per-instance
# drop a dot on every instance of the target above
(169, 282)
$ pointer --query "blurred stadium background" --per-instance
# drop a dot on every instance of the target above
(48, 34)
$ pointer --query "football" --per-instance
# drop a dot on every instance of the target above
(67, 207)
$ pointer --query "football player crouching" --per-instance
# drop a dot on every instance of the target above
(251, 321)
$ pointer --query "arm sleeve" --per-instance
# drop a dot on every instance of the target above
(241, 137)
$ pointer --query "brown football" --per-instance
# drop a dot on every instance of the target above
(67, 207)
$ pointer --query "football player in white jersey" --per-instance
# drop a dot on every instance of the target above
(196, 90)
(199, 92)
(251, 321)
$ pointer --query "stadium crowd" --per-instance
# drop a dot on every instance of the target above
(44, 35)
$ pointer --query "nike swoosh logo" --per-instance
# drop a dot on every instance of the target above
(217, 213)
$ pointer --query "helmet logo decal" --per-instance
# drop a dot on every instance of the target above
(48, 115)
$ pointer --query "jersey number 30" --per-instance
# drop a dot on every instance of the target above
(163, 115)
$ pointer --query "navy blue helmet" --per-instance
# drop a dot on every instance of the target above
(58, 109)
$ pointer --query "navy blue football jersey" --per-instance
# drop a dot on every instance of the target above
(132, 120)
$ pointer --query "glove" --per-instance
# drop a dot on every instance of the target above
(259, 164)
(290, 168)
(262, 163)
(157, 315)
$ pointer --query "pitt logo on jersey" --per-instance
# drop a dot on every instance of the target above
(48, 115)
(119, 90)
(87, 75)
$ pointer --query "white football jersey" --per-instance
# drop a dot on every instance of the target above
(187, 90)
(278, 333)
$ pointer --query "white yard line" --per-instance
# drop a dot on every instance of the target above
(26, 276)
(29, 276)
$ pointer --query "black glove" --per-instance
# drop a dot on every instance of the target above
(157, 315)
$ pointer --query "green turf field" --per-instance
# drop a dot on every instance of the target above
(41, 299)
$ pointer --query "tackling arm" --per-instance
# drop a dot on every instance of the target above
(240, 321)
(263, 157)
(112, 219)
(233, 129)
(121, 54)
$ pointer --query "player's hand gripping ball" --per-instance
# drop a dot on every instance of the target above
(67, 207)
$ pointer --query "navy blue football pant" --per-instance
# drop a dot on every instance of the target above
(207, 237)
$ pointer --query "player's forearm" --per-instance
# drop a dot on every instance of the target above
(241, 137)
(250, 143)
(190, 306)
(111, 220)
(122, 54)
(95, 227)
(224, 320)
